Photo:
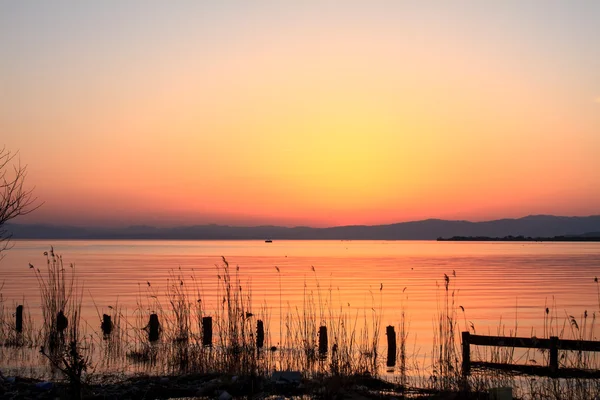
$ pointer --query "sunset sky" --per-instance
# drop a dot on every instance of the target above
(313, 113)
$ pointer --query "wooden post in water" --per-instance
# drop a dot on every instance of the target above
(554, 354)
(19, 319)
(153, 328)
(323, 341)
(391, 340)
(466, 354)
(260, 334)
(106, 325)
(61, 322)
(207, 331)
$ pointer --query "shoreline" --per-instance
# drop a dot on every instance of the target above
(520, 239)
(222, 386)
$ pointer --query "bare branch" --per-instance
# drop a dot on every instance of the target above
(15, 199)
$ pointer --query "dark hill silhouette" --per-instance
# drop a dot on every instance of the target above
(430, 229)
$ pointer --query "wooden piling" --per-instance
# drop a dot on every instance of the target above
(153, 328)
(106, 325)
(19, 319)
(391, 340)
(61, 322)
(466, 354)
(323, 346)
(207, 331)
(260, 334)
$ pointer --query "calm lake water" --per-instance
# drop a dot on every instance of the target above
(497, 284)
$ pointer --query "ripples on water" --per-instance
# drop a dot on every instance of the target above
(508, 284)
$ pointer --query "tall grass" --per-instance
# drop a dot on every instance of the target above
(445, 357)
(63, 342)
(354, 333)
(235, 323)
(403, 336)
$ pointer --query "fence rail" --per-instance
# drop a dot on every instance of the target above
(553, 345)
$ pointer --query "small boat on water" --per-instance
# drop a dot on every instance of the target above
(268, 241)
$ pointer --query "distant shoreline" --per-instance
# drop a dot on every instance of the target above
(530, 227)
(520, 239)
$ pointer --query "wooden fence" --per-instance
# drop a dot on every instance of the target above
(553, 345)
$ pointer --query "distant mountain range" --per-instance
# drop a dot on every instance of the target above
(430, 229)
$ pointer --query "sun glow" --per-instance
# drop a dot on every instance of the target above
(293, 116)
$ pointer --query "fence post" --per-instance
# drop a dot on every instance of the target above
(19, 319)
(466, 354)
(554, 354)
(207, 331)
(391, 340)
(323, 341)
(260, 334)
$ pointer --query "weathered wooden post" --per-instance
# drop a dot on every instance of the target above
(207, 331)
(260, 334)
(391, 340)
(153, 328)
(61, 322)
(19, 319)
(466, 354)
(553, 354)
(106, 325)
(323, 341)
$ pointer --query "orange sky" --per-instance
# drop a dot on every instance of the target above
(302, 115)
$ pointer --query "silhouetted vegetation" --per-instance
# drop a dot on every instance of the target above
(333, 348)
(15, 199)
